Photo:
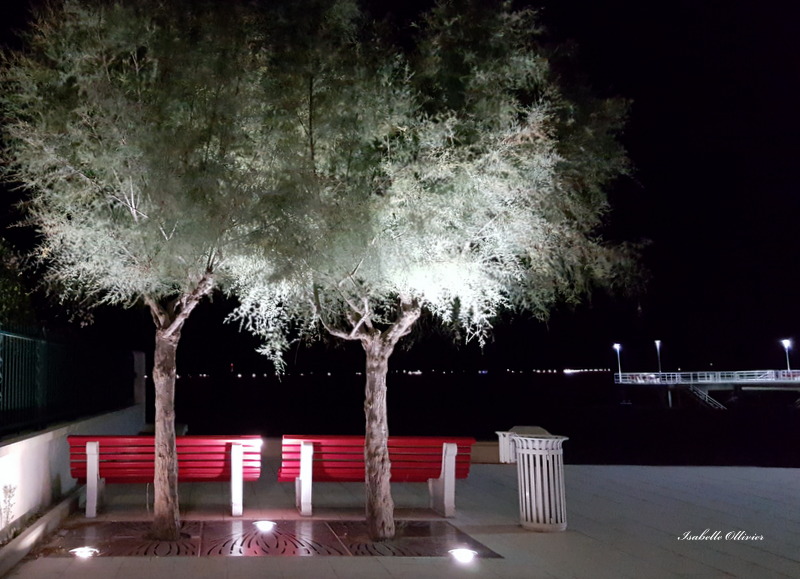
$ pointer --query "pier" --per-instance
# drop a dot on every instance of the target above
(701, 383)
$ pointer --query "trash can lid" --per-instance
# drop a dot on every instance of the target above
(529, 430)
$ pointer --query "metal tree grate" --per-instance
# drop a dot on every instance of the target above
(242, 538)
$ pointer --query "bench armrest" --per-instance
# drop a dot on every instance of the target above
(303, 483)
(94, 485)
(237, 480)
(442, 490)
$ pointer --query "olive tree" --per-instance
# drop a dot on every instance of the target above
(135, 128)
(454, 177)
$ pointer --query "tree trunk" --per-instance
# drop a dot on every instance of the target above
(169, 320)
(166, 520)
(380, 506)
(378, 346)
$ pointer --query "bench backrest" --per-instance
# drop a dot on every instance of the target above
(341, 458)
(132, 458)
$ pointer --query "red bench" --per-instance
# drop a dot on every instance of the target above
(439, 460)
(96, 460)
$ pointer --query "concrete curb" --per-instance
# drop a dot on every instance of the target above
(18, 548)
(486, 452)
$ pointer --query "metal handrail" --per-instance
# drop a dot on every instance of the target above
(746, 376)
(706, 398)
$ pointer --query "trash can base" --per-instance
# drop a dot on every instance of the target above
(544, 527)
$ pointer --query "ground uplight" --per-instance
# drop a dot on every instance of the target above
(463, 555)
(85, 552)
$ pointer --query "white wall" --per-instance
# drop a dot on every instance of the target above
(36, 466)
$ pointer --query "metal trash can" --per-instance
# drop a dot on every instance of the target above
(506, 450)
(540, 471)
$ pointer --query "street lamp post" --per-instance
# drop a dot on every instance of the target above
(658, 353)
(786, 345)
(618, 347)
(669, 392)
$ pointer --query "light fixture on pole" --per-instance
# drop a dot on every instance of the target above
(618, 347)
(786, 345)
(658, 353)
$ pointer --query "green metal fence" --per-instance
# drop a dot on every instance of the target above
(44, 382)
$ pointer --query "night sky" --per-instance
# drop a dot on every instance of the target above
(713, 134)
(713, 137)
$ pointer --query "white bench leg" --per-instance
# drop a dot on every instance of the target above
(94, 485)
(237, 480)
(302, 484)
(443, 489)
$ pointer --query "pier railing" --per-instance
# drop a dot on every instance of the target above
(687, 378)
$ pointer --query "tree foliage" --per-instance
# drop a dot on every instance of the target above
(468, 184)
(134, 133)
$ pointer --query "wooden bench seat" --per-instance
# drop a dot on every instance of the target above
(96, 460)
(436, 460)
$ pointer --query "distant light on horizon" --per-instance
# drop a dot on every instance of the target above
(416, 372)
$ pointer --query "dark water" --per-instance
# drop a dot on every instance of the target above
(757, 429)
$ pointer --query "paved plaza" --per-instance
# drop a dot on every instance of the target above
(623, 521)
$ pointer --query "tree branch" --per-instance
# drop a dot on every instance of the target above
(367, 313)
(187, 303)
(170, 320)
(364, 320)
(160, 317)
(353, 307)
(409, 313)
(167, 237)
(317, 307)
